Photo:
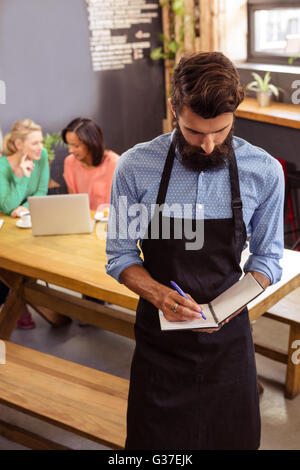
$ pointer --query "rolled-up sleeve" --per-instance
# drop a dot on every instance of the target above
(122, 249)
(267, 226)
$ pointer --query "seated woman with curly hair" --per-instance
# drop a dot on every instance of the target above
(90, 167)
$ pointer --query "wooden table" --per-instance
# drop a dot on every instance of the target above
(290, 280)
(74, 262)
(77, 262)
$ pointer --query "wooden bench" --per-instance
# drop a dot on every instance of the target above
(76, 398)
(287, 311)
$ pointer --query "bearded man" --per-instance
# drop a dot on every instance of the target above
(196, 389)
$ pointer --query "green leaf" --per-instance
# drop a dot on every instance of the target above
(178, 7)
(274, 90)
(50, 141)
(267, 78)
(259, 80)
(157, 53)
(162, 37)
(173, 46)
(252, 86)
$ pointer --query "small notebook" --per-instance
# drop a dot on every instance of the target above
(221, 308)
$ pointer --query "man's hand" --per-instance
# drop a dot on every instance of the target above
(138, 279)
(177, 308)
(263, 280)
(173, 305)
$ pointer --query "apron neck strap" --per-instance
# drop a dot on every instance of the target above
(236, 203)
(164, 183)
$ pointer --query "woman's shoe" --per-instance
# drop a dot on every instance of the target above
(25, 321)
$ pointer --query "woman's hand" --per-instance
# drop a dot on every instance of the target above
(26, 166)
(18, 211)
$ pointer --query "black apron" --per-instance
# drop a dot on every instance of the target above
(194, 390)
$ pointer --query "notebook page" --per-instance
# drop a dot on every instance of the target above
(187, 325)
(237, 296)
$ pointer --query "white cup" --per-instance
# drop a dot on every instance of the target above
(26, 220)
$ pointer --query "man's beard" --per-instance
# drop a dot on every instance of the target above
(194, 158)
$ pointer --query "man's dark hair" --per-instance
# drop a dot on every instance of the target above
(207, 83)
(90, 134)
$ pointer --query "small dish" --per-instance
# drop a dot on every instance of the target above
(99, 216)
(21, 224)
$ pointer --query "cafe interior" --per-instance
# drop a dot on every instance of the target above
(65, 367)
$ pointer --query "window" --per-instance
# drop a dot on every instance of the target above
(274, 31)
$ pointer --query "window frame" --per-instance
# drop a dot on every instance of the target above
(262, 57)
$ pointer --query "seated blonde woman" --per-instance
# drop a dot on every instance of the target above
(24, 169)
(24, 172)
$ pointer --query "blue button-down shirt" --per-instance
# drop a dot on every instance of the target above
(137, 178)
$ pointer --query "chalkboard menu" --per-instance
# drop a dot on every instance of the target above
(95, 63)
(120, 31)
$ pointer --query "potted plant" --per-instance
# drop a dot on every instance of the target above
(172, 48)
(51, 141)
(263, 88)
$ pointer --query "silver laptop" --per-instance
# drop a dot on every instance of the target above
(60, 214)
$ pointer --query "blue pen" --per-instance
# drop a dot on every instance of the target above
(180, 291)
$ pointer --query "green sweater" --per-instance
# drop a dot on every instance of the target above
(14, 191)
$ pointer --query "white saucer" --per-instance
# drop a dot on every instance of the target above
(100, 217)
(20, 224)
